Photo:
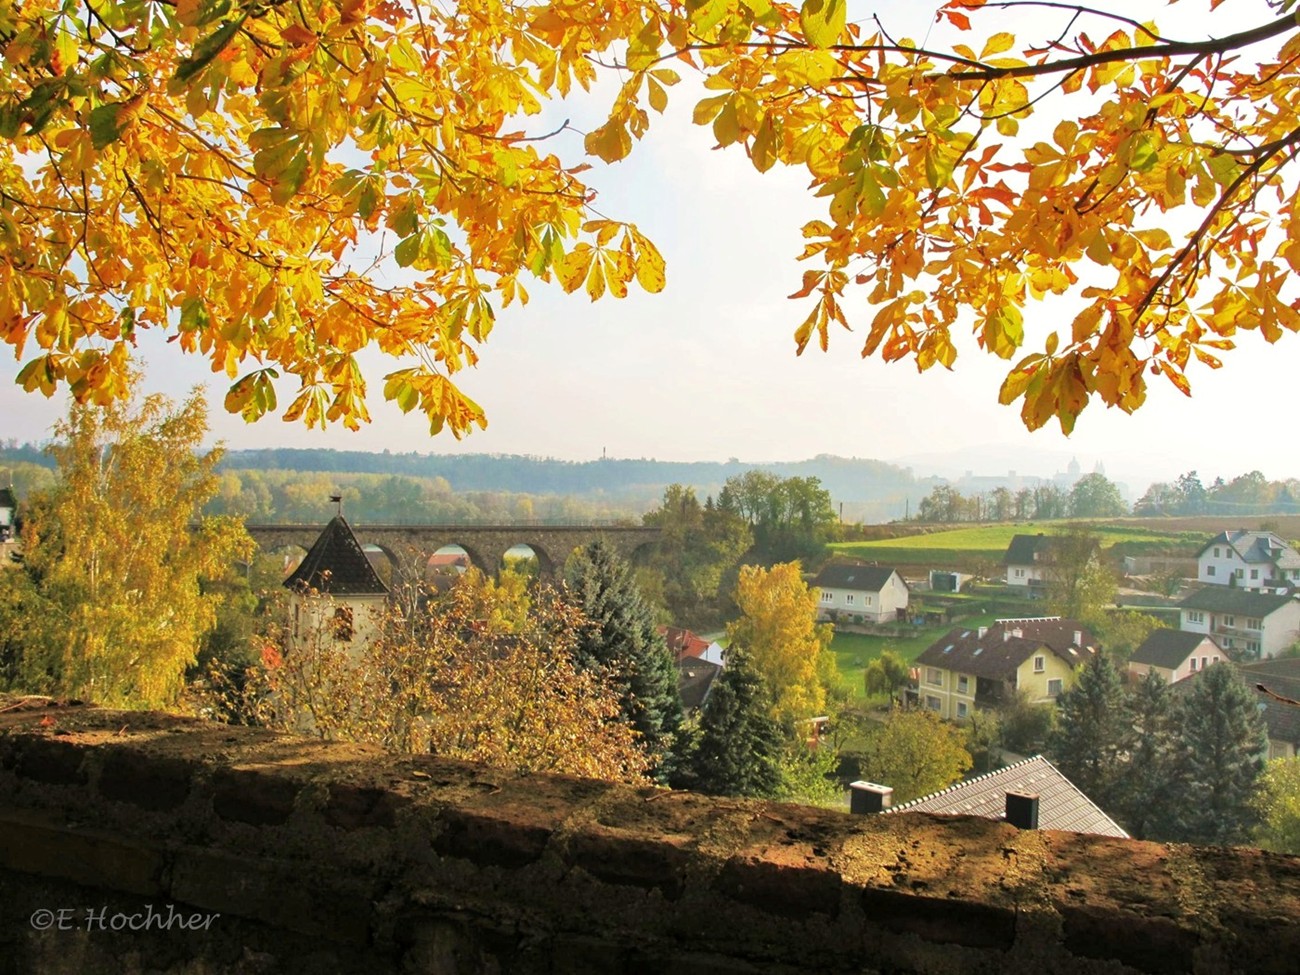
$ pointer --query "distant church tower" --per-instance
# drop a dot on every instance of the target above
(336, 598)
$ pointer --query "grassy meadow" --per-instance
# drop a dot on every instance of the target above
(988, 543)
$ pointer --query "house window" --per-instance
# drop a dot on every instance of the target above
(1040, 664)
(1251, 645)
(1195, 616)
(1240, 573)
(1020, 573)
(343, 629)
(933, 703)
(1214, 659)
(1209, 570)
(1054, 688)
(1193, 664)
(1253, 624)
(963, 684)
(1205, 662)
(1216, 553)
(933, 675)
(962, 709)
(848, 598)
(1254, 573)
(1230, 621)
(828, 597)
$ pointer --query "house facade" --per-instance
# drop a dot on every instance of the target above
(336, 599)
(1248, 560)
(860, 593)
(1175, 654)
(988, 666)
(1026, 560)
(1247, 624)
(8, 514)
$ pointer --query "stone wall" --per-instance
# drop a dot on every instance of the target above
(334, 858)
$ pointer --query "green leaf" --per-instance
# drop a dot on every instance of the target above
(822, 21)
(103, 125)
(290, 179)
(1004, 332)
(194, 315)
(407, 251)
(643, 49)
(1143, 155)
(207, 49)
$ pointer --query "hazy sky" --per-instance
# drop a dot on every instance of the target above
(706, 370)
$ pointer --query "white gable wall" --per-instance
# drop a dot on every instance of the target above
(872, 607)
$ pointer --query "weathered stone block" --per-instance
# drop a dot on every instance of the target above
(259, 797)
(148, 781)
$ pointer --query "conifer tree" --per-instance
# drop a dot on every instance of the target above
(1089, 738)
(1142, 797)
(621, 641)
(1219, 746)
(739, 745)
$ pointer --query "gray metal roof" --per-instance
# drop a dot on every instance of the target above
(1060, 803)
(1168, 648)
(1026, 549)
(1228, 599)
(695, 679)
(1257, 548)
(846, 575)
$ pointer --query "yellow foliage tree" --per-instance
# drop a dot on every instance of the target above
(788, 648)
(210, 168)
(484, 674)
(109, 603)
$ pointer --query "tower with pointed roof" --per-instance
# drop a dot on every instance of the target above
(336, 597)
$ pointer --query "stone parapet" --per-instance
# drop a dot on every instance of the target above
(332, 857)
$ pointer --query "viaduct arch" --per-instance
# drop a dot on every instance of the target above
(409, 547)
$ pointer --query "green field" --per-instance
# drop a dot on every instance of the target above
(965, 546)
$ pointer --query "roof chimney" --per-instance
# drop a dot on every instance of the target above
(867, 798)
(1022, 809)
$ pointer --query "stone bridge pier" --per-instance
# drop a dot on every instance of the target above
(409, 547)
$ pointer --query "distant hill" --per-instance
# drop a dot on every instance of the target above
(869, 488)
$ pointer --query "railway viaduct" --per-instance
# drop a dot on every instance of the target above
(409, 547)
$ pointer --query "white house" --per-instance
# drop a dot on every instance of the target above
(1248, 560)
(1027, 560)
(1248, 624)
(336, 597)
(860, 593)
(8, 513)
(1175, 654)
